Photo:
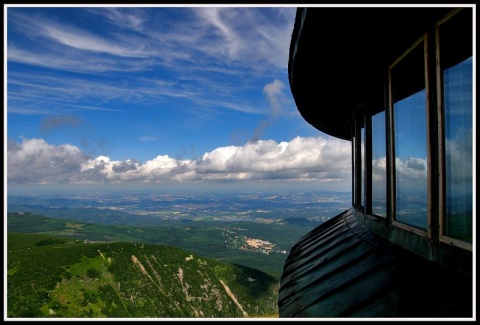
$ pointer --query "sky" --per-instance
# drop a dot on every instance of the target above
(158, 95)
(162, 95)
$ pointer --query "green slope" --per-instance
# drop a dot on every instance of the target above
(50, 276)
(212, 239)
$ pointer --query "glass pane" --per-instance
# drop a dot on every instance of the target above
(362, 150)
(379, 165)
(411, 160)
(458, 150)
(354, 195)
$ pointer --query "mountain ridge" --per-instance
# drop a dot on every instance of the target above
(54, 277)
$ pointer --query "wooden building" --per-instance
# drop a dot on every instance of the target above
(398, 83)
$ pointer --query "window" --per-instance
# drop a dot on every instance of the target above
(358, 166)
(458, 150)
(456, 69)
(379, 165)
(410, 134)
(362, 155)
(354, 173)
(413, 161)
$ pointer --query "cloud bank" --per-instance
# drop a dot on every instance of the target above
(34, 161)
(319, 160)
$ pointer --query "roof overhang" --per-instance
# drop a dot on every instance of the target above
(339, 58)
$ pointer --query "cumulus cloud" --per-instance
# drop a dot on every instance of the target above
(411, 170)
(319, 159)
(301, 159)
(411, 173)
(459, 157)
(379, 170)
(36, 161)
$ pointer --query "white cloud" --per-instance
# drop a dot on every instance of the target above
(318, 159)
(247, 35)
(35, 161)
(278, 103)
(75, 61)
(459, 156)
(127, 18)
(301, 159)
(411, 171)
(217, 17)
(185, 44)
(379, 170)
(224, 34)
(275, 96)
(87, 42)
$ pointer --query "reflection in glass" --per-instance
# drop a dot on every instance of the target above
(354, 178)
(411, 160)
(362, 150)
(379, 165)
(458, 150)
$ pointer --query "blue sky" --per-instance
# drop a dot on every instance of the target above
(157, 95)
(138, 82)
(129, 95)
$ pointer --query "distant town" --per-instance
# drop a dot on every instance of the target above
(255, 229)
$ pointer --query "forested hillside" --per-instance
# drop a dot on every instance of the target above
(50, 276)
(228, 242)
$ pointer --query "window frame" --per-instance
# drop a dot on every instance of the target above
(441, 141)
(420, 42)
(432, 241)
